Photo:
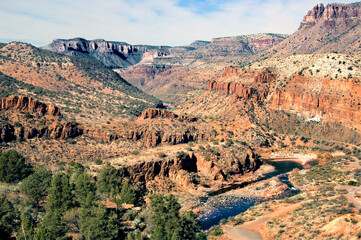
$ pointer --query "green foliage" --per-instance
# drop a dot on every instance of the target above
(60, 194)
(8, 217)
(13, 167)
(217, 231)
(168, 223)
(127, 195)
(85, 189)
(96, 223)
(98, 161)
(27, 224)
(136, 235)
(109, 181)
(36, 185)
(353, 183)
(52, 227)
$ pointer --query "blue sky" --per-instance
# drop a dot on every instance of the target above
(156, 22)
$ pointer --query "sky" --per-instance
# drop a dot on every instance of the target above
(152, 22)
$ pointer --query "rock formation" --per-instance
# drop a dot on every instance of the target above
(27, 118)
(187, 169)
(27, 104)
(164, 113)
(112, 54)
(332, 28)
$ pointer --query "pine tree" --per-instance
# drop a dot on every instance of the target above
(96, 223)
(109, 181)
(168, 223)
(8, 217)
(60, 194)
(85, 190)
(36, 185)
(13, 167)
(127, 195)
(52, 227)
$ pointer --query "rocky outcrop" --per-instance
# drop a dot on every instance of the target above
(27, 118)
(164, 113)
(337, 101)
(180, 169)
(329, 13)
(148, 171)
(239, 89)
(325, 29)
(150, 137)
(6, 132)
(112, 54)
(27, 104)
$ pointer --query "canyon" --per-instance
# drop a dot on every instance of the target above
(200, 121)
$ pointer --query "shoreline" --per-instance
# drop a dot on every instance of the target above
(303, 162)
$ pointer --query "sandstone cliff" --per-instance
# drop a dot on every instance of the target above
(325, 29)
(112, 54)
(27, 104)
(27, 118)
(240, 84)
(188, 170)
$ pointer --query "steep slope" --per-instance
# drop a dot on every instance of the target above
(313, 95)
(84, 88)
(325, 29)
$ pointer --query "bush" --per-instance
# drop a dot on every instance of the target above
(98, 161)
(13, 167)
(217, 231)
(353, 183)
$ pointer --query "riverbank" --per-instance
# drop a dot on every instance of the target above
(238, 200)
(300, 158)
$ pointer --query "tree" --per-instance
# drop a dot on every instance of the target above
(13, 167)
(27, 225)
(60, 194)
(127, 195)
(168, 223)
(85, 189)
(51, 227)
(109, 181)
(36, 185)
(97, 223)
(8, 217)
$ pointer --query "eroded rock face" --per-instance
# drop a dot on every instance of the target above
(239, 89)
(163, 113)
(186, 169)
(325, 29)
(27, 104)
(28, 118)
(337, 101)
(329, 13)
(112, 54)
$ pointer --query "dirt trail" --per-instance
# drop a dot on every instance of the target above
(257, 229)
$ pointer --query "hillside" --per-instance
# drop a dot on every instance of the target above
(83, 88)
(325, 29)
(313, 95)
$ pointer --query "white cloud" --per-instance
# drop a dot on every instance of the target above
(156, 22)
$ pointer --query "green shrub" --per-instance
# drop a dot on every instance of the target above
(13, 167)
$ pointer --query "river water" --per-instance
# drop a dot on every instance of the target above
(237, 205)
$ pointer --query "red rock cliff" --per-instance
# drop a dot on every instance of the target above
(27, 104)
(338, 100)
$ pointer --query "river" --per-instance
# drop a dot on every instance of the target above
(225, 207)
